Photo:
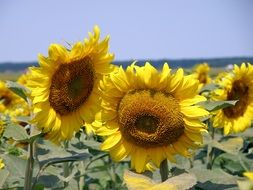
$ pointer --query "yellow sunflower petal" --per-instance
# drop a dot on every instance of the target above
(192, 101)
(194, 111)
(121, 151)
(139, 159)
(111, 141)
(249, 175)
(175, 81)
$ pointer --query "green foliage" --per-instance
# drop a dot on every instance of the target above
(15, 131)
(13, 173)
(80, 164)
(208, 88)
(89, 168)
(17, 89)
(216, 105)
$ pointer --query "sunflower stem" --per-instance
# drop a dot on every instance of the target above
(164, 172)
(112, 173)
(65, 166)
(32, 153)
(191, 161)
(81, 178)
(210, 148)
(30, 162)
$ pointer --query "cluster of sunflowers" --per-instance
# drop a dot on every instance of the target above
(144, 114)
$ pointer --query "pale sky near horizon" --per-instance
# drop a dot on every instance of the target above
(139, 29)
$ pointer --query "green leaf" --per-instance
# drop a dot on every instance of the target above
(231, 146)
(216, 105)
(233, 164)
(35, 134)
(16, 167)
(73, 158)
(214, 179)
(25, 119)
(17, 89)
(3, 176)
(182, 181)
(15, 131)
(208, 87)
(18, 133)
(39, 187)
(245, 185)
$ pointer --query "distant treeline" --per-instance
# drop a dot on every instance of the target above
(186, 63)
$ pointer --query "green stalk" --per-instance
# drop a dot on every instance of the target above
(81, 178)
(164, 172)
(191, 161)
(32, 156)
(111, 171)
(210, 149)
(29, 167)
(66, 171)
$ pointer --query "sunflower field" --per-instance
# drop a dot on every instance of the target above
(79, 122)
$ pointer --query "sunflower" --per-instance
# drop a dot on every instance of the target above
(23, 109)
(149, 115)
(11, 104)
(64, 88)
(1, 164)
(8, 100)
(201, 73)
(237, 85)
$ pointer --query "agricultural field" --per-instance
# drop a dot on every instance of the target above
(78, 121)
(13, 76)
(35, 159)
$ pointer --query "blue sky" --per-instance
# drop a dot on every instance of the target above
(139, 29)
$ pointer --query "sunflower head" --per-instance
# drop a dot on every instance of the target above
(64, 88)
(149, 115)
(220, 77)
(144, 117)
(236, 86)
(201, 72)
(9, 102)
(6, 96)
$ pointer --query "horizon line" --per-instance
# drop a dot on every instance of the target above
(146, 59)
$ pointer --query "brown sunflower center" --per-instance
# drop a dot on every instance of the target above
(202, 78)
(6, 100)
(71, 85)
(150, 119)
(238, 92)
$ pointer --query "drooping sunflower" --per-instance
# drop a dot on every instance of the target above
(23, 108)
(220, 77)
(11, 104)
(64, 88)
(201, 72)
(8, 100)
(237, 85)
(149, 115)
